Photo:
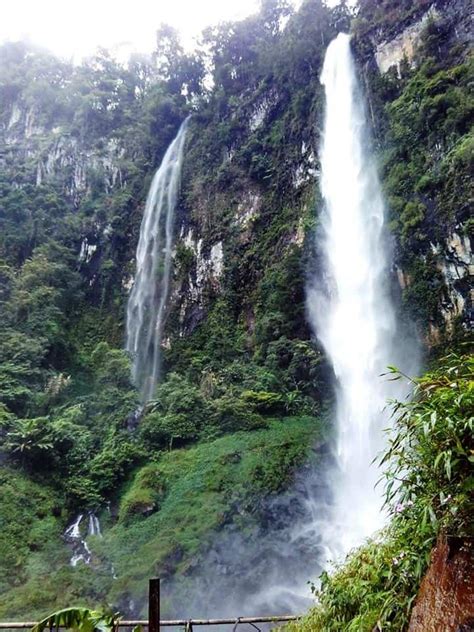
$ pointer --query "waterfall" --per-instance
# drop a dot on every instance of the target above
(147, 302)
(74, 530)
(73, 536)
(326, 513)
(94, 526)
(351, 311)
(333, 504)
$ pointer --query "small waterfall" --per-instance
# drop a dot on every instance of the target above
(147, 302)
(73, 536)
(352, 313)
(74, 530)
(94, 526)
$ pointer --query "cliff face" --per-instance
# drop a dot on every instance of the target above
(78, 149)
(400, 44)
(252, 154)
(445, 599)
(414, 75)
(430, 223)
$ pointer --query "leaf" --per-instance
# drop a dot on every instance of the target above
(80, 619)
(440, 456)
(433, 518)
(447, 465)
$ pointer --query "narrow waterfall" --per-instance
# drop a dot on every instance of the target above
(74, 530)
(94, 526)
(147, 302)
(326, 513)
(351, 311)
(74, 537)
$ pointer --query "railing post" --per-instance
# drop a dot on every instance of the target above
(154, 605)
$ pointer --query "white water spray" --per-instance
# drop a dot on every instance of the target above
(74, 530)
(353, 315)
(73, 536)
(94, 526)
(147, 302)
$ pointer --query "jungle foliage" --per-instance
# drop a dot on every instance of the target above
(79, 145)
(429, 486)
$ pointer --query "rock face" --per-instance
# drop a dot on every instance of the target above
(445, 602)
(458, 14)
(402, 46)
(53, 153)
(448, 243)
(456, 264)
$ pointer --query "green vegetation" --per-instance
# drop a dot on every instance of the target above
(429, 487)
(168, 512)
(79, 619)
(190, 493)
(33, 558)
(244, 382)
(425, 126)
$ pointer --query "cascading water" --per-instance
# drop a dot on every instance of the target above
(74, 530)
(334, 504)
(94, 526)
(147, 302)
(352, 314)
(73, 536)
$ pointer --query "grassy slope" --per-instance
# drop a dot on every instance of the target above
(196, 490)
(191, 492)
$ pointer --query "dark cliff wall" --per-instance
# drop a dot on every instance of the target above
(417, 64)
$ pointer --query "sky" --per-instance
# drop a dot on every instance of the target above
(75, 28)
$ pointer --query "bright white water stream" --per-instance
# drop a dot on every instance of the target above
(147, 302)
(73, 536)
(351, 310)
(334, 504)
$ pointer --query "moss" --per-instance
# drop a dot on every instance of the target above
(144, 495)
(422, 297)
(411, 218)
(203, 484)
(31, 524)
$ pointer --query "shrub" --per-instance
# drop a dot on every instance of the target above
(145, 494)
(159, 431)
(429, 489)
(230, 414)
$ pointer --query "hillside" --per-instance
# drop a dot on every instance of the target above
(218, 459)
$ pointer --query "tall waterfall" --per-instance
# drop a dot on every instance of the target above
(350, 309)
(147, 302)
(351, 312)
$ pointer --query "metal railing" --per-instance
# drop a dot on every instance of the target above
(123, 623)
(154, 621)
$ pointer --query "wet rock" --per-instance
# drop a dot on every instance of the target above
(445, 601)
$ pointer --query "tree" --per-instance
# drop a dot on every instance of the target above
(29, 440)
(21, 357)
(181, 73)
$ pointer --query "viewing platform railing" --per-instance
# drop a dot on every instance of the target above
(154, 621)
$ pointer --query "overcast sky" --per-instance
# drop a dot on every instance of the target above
(75, 28)
(78, 27)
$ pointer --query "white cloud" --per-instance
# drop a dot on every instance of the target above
(77, 28)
